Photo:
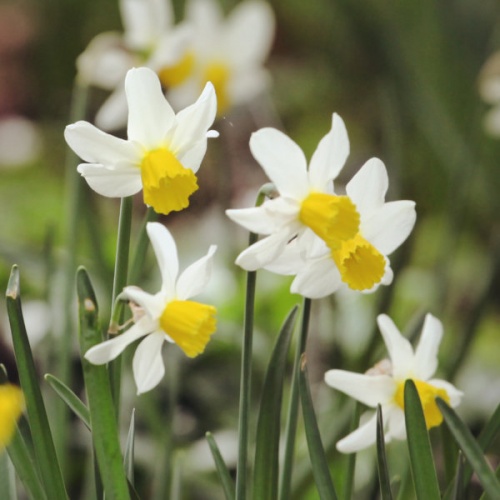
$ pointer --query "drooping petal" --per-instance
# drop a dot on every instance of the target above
(166, 254)
(194, 278)
(370, 390)
(317, 278)
(108, 350)
(389, 226)
(363, 437)
(282, 160)
(330, 155)
(148, 365)
(111, 182)
(426, 353)
(368, 187)
(400, 350)
(150, 116)
(95, 146)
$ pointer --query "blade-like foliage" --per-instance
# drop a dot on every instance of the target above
(383, 471)
(224, 476)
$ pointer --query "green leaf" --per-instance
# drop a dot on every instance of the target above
(50, 471)
(319, 462)
(422, 463)
(224, 476)
(471, 450)
(458, 489)
(383, 471)
(70, 398)
(103, 418)
(7, 478)
(128, 460)
(266, 466)
(351, 458)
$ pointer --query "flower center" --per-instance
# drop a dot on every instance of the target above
(428, 394)
(360, 264)
(333, 218)
(219, 73)
(11, 407)
(189, 324)
(170, 76)
(166, 183)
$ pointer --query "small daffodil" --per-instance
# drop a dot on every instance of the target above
(384, 384)
(167, 316)
(11, 407)
(163, 152)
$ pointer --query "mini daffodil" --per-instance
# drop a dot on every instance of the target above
(229, 52)
(384, 384)
(150, 39)
(167, 316)
(11, 407)
(163, 152)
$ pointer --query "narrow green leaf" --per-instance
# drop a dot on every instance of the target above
(471, 450)
(383, 471)
(45, 452)
(224, 476)
(458, 489)
(70, 398)
(351, 458)
(102, 412)
(422, 463)
(128, 459)
(319, 462)
(7, 478)
(266, 464)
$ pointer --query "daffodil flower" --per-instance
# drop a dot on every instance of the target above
(384, 384)
(229, 52)
(167, 316)
(11, 407)
(150, 39)
(163, 151)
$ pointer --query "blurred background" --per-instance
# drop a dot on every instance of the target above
(405, 78)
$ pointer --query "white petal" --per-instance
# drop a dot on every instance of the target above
(112, 115)
(492, 121)
(370, 390)
(204, 14)
(400, 350)
(112, 182)
(363, 437)
(171, 47)
(195, 278)
(368, 187)
(150, 115)
(95, 146)
(166, 254)
(148, 362)
(264, 251)
(289, 261)
(317, 278)
(193, 157)
(330, 155)
(426, 353)
(453, 393)
(153, 305)
(249, 33)
(388, 227)
(110, 349)
(394, 422)
(282, 160)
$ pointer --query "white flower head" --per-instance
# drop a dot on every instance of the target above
(385, 385)
(325, 239)
(229, 52)
(163, 152)
(167, 316)
(150, 39)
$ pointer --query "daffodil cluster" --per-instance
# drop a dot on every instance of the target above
(205, 46)
(326, 239)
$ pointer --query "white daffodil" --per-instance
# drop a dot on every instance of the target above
(229, 52)
(167, 316)
(359, 263)
(163, 151)
(150, 39)
(306, 204)
(384, 384)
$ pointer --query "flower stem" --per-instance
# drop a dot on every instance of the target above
(293, 408)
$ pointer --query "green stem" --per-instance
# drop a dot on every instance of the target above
(293, 408)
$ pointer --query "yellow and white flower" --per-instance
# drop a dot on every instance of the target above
(163, 152)
(167, 316)
(150, 39)
(384, 384)
(11, 407)
(229, 52)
